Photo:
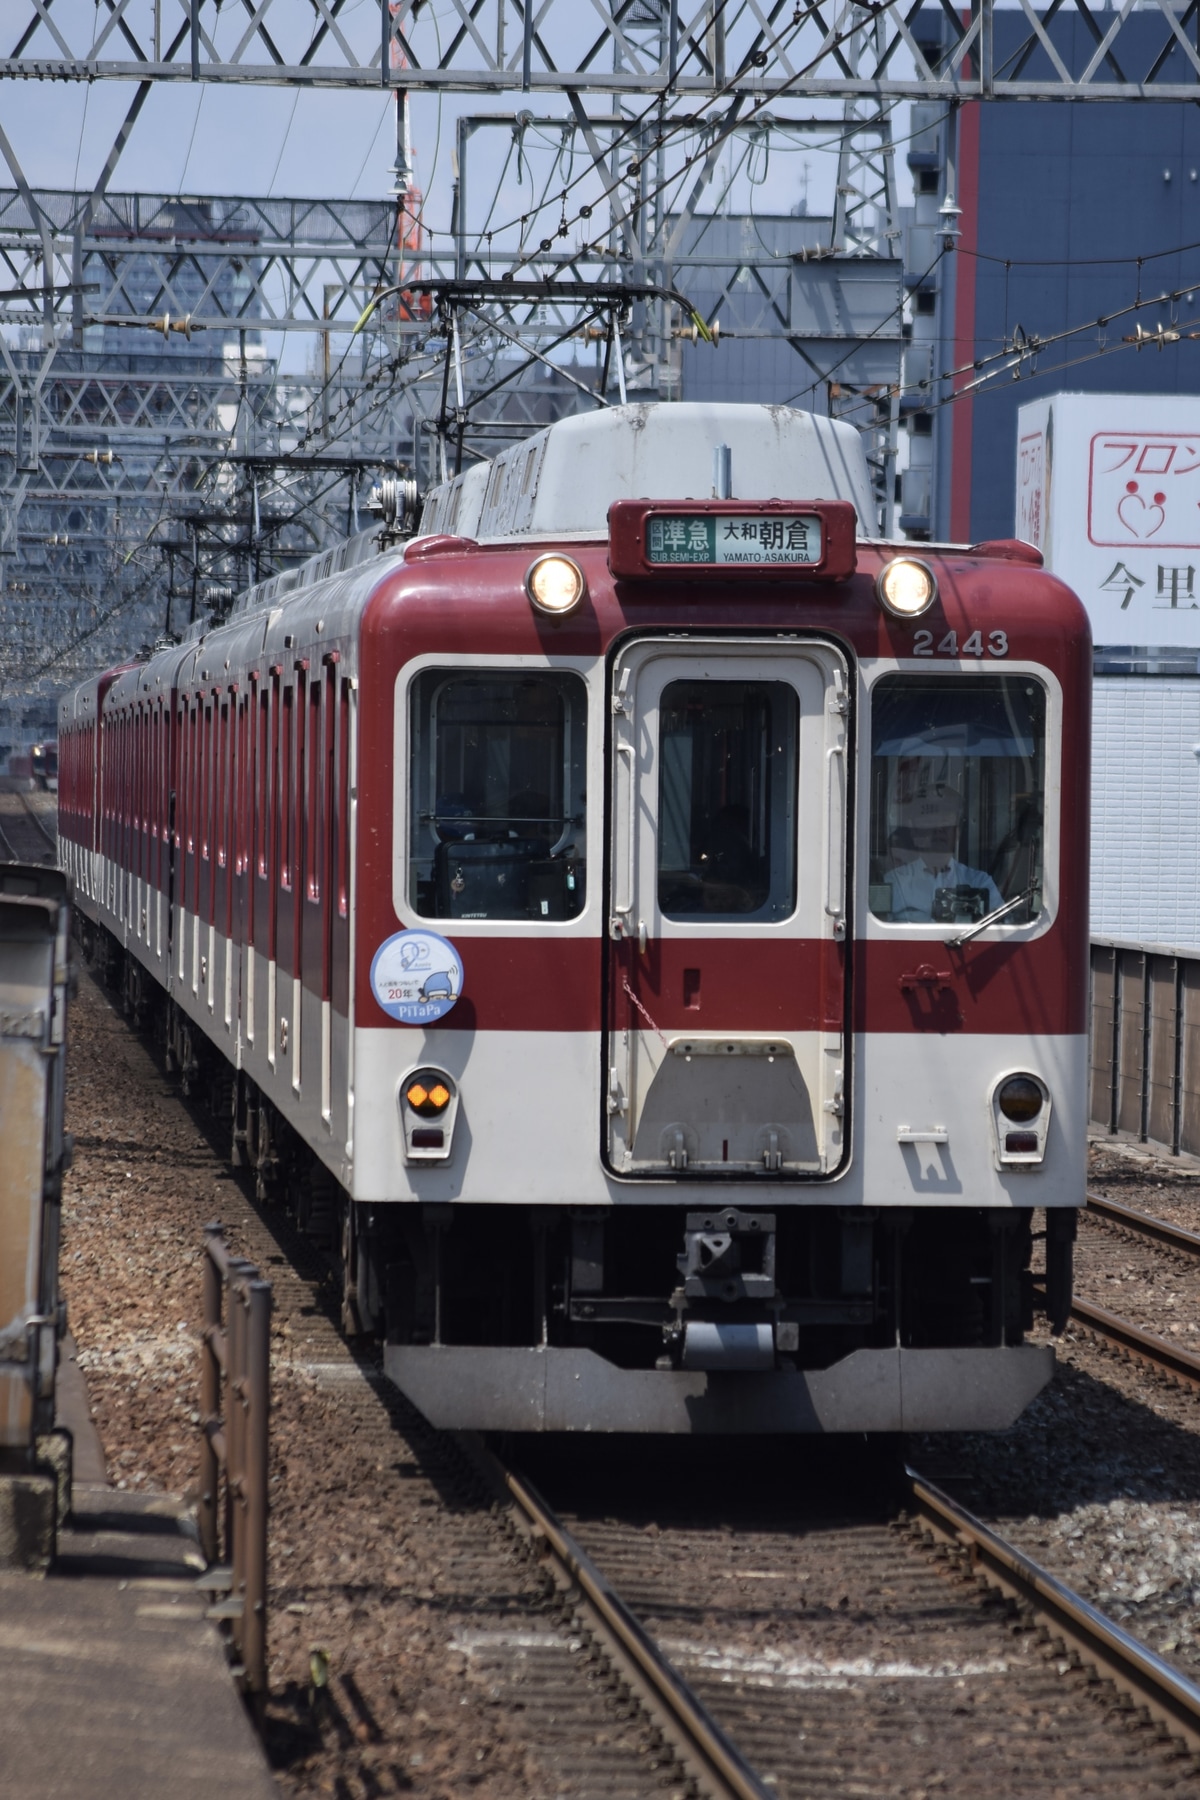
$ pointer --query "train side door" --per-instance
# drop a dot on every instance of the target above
(726, 909)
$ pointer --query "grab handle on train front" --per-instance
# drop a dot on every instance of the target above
(622, 907)
(835, 873)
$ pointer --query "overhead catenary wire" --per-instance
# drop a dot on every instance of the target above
(667, 130)
(702, 123)
(283, 146)
(191, 140)
(996, 384)
(1033, 346)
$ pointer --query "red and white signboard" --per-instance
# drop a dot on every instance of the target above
(1031, 488)
(1108, 488)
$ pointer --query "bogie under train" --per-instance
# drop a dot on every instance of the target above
(641, 921)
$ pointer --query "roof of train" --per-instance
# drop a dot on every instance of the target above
(563, 480)
(559, 485)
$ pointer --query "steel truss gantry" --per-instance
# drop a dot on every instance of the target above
(748, 51)
(85, 273)
(94, 410)
(221, 449)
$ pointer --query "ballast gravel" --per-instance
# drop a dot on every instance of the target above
(1100, 1478)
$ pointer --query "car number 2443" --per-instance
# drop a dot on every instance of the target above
(995, 644)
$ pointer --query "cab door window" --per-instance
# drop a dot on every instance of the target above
(728, 760)
(498, 802)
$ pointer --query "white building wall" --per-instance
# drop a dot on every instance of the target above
(1146, 810)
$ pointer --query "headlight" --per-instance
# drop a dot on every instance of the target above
(1020, 1098)
(906, 587)
(555, 584)
(1020, 1108)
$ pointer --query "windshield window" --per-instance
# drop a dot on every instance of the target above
(498, 799)
(727, 799)
(957, 792)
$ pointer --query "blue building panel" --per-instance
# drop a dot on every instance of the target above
(1059, 201)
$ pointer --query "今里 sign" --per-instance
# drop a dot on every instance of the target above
(1108, 488)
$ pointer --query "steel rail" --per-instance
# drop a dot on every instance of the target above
(1160, 1352)
(1167, 1694)
(1112, 1212)
(703, 1747)
(31, 811)
(8, 850)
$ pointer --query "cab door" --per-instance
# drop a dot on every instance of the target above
(726, 909)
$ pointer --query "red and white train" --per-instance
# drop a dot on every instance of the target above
(643, 920)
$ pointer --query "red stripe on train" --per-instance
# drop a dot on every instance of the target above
(720, 985)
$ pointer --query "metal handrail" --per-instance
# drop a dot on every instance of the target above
(234, 1445)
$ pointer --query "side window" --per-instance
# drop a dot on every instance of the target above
(208, 779)
(262, 785)
(497, 799)
(958, 778)
(222, 781)
(287, 795)
(343, 805)
(315, 807)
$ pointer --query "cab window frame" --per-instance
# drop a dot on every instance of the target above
(408, 697)
(873, 925)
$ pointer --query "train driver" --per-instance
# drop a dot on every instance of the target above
(926, 878)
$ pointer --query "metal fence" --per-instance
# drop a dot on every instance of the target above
(235, 1352)
(1146, 1042)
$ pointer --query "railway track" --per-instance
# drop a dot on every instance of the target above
(974, 1649)
(774, 1723)
(24, 834)
(1131, 1218)
(1151, 1348)
(725, 1640)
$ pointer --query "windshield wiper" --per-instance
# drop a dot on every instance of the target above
(964, 937)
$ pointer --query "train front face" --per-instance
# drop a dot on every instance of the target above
(721, 993)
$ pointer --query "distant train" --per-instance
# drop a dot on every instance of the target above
(35, 766)
(641, 920)
(43, 759)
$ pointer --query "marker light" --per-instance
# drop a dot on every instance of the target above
(1021, 1099)
(906, 587)
(428, 1101)
(555, 584)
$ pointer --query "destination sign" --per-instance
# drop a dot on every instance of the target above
(730, 539)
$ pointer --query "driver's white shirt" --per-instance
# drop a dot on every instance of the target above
(914, 884)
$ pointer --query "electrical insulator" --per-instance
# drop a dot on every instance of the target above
(692, 334)
(167, 324)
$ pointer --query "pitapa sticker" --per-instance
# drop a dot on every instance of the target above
(417, 976)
